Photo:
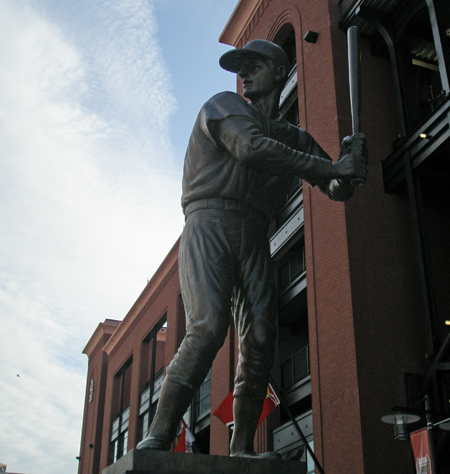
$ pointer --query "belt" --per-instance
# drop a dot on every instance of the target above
(228, 205)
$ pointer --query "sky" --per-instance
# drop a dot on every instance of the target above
(97, 101)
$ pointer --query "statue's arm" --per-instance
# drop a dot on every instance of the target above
(245, 141)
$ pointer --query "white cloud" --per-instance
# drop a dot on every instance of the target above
(89, 206)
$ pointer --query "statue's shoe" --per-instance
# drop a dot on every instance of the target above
(253, 455)
(156, 443)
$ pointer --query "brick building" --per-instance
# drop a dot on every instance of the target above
(363, 285)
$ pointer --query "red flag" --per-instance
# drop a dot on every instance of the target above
(270, 403)
(186, 441)
(225, 410)
(421, 449)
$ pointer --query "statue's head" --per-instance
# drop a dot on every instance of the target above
(262, 54)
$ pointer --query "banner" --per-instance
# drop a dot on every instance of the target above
(225, 410)
(421, 448)
(186, 441)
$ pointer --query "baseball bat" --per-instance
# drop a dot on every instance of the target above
(354, 79)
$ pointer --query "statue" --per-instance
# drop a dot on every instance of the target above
(240, 162)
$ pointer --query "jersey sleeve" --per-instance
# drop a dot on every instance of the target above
(228, 121)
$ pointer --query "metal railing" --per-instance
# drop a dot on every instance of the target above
(295, 369)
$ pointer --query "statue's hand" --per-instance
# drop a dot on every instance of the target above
(352, 162)
(356, 144)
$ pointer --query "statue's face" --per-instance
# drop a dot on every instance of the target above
(259, 77)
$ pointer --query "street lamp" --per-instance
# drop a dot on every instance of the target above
(400, 422)
(443, 425)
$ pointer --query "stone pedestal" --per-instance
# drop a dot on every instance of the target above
(160, 462)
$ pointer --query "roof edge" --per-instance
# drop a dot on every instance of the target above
(238, 21)
(107, 327)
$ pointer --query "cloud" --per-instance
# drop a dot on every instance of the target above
(89, 204)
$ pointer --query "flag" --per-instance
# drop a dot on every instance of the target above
(225, 410)
(421, 449)
(186, 441)
(270, 403)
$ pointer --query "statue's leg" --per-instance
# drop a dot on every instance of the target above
(173, 402)
(255, 308)
(207, 275)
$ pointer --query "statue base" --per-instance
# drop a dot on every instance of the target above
(141, 461)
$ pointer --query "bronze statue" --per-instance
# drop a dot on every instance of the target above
(240, 162)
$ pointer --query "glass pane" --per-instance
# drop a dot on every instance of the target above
(91, 390)
(160, 349)
(297, 265)
(287, 376)
(310, 462)
(205, 405)
(284, 276)
(125, 443)
(205, 389)
(149, 352)
(115, 450)
(145, 425)
(127, 386)
(300, 366)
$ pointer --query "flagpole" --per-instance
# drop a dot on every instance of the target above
(294, 421)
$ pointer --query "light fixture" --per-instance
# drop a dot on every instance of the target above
(447, 323)
(311, 36)
(444, 424)
(425, 135)
(400, 422)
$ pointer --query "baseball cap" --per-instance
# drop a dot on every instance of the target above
(231, 60)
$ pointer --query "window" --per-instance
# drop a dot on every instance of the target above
(203, 398)
(295, 368)
(293, 266)
(121, 402)
(145, 425)
(91, 391)
(286, 442)
(293, 351)
(309, 459)
(289, 95)
(157, 384)
(153, 352)
(197, 416)
(115, 451)
(125, 443)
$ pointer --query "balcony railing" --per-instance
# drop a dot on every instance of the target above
(295, 369)
(419, 145)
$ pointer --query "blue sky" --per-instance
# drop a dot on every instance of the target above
(97, 101)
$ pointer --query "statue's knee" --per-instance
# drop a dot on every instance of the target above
(216, 338)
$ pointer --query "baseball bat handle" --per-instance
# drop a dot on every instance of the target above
(354, 76)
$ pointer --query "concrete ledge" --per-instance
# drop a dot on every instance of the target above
(161, 462)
